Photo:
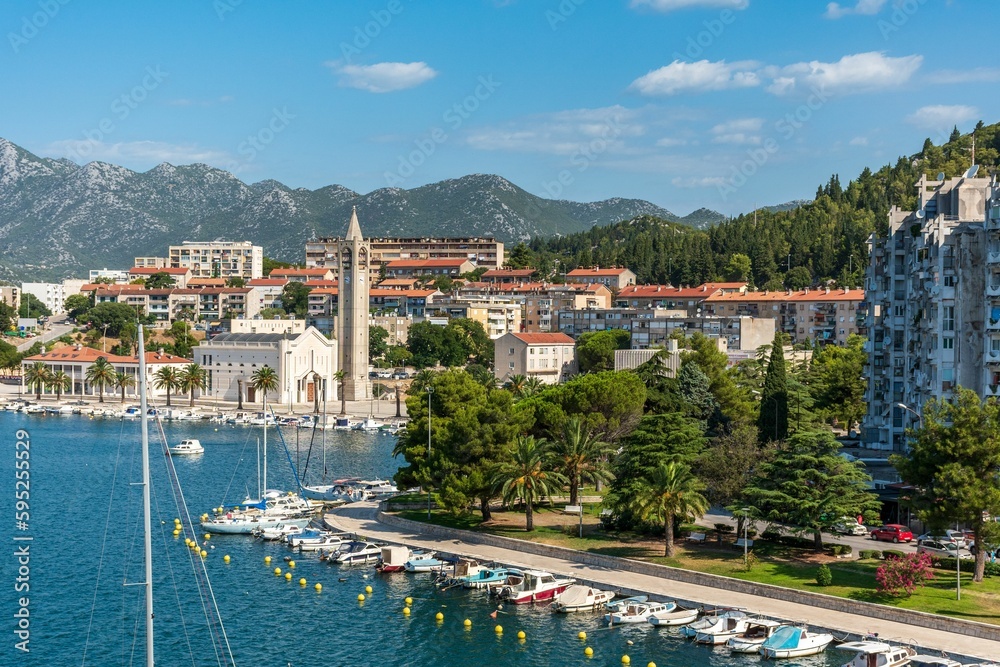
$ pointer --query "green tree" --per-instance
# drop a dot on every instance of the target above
(808, 485)
(739, 268)
(123, 381)
(192, 377)
(772, 421)
(798, 278)
(295, 298)
(729, 462)
(398, 356)
(77, 305)
(339, 378)
(528, 477)
(235, 281)
(36, 376)
(475, 344)
(31, 306)
(952, 464)
(733, 402)
(270, 264)
(264, 380)
(515, 384)
(696, 391)
(672, 491)
(377, 345)
(609, 403)
(8, 318)
(118, 317)
(101, 374)
(60, 381)
(184, 340)
(839, 381)
(595, 350)
(167, 377)
(159, 280)
(581, 458)
(520, 257)
(424, 342)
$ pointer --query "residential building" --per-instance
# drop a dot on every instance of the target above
(268, 291)
(398, 327)
(741, 333)
(688, 299)
(172, 303)
(480, 251)
(576, 322)
(269, 326)
(415, 268)
(303, 275)
(180, 275)
(11, 295)
(616, 278)
(151, 262)
(218, 259)
(670, 355)
(305, 363)
(550, 357)
(52, 295)
(114, 275)
(543, 304)
(507, 276)
(497, 316)
(933, 286)
(74, 360)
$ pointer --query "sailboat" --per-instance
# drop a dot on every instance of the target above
(264, 513)
(327, 493)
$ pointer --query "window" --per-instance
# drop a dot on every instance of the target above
(948, 321)
(511, 365)
(510, 350)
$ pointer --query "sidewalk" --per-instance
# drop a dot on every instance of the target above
(362, 518)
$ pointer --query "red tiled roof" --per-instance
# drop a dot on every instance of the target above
(321, 283)
(508, 273)
(89, 355)
(267, 282)
(666, 291)
(424, 263)
(299, 272)
(802, 295)
(544, 338)
(578, 273)
(207, 282)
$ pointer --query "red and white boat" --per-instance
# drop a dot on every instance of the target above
(533, 586)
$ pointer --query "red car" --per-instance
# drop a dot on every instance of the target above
(892, 532)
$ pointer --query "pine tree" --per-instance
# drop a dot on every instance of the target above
(772, 423)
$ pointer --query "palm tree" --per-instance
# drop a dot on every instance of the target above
(670, 491)
(101, 374)
(169, 378)
(339, 377)
(36, 376)
(123, 381)
(529, 476)
(61, 382)
(581, 457)
(531, 387)
(192, 377)
(264, 379)
(515, 383)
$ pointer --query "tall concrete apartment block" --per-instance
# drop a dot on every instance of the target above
(483, 252)
(352, 302)
(933, 289)
(216, 259)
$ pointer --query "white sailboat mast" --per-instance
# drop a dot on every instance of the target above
(146, 506)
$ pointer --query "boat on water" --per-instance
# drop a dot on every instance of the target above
(581, 598)
(487, 578)
(356, 553)
(691, 630)
(616, 605)
(720, 631)
(533, 586)
(186, 446)
(791, 641)
(877, 654)
(757, 632)
(322, 541)
(132, 412)
(428, 562)
(368, 424)
(278, 532)
(638, 612)
(676, 617)
(393, 559)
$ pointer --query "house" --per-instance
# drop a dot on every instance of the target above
(302, 275)
(268, 291)
(615, 278)
(179, 275)
(505, 276)
(550, 357)
(415, 268)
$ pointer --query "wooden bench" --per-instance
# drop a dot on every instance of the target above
(696, 537)
(740, 543)
(573, 509)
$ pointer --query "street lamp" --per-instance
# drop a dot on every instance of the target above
(746, 522)
(104, 340)
(430, 392)
(288, 369)
(904, 406)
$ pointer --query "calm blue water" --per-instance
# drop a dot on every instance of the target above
(81, 470)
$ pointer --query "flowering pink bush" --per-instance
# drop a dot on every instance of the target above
(901, 576)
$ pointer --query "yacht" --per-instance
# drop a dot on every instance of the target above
(533, 586)
(356, 553)
(877, 654)
(638, 612)
(188, 446)
(757, 632)
(790, 641)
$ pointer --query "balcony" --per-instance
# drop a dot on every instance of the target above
(993, 286)
(993, 253)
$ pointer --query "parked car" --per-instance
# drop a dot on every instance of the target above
(848, 526)
(400, 375)
(892, 532)
(950, 536)
(942, 549)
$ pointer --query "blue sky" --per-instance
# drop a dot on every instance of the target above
(725, 104)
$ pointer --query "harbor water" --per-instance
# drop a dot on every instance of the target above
(86, 544)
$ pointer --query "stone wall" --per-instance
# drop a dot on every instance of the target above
(882, 612)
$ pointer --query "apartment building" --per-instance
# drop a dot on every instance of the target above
(52, 295)
(114, 275)
(508, 276)
(302, 275)
(11, 295)
(218, 259)
(268, 291)
(933, 284)
(615, 278)
(481, 251)
(179, 275)
(497, 316)
(740, 333)
(687, 299)
(415, 268)
(550, 357)
(170, 304)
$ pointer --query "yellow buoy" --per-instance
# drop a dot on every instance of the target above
(498, 629)
(318, 587)
(467, 623)
(187, 541)
(177, 520)
(302, 581)
(439, 616)
(203, 553)
(588, 651)
(406, 611)
(581, 635)
(651, 664)
(208, 536)
(177, 533)
(368, 589)
(267, 560)
(626, 660)
(408, 600)
(277, 571)
(225, 559)
(288, 576)
(361, 597)
(291, 563)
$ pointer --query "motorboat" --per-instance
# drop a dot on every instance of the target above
(791, 641)
(581, 598)
(638, 612)
(691, 630)
(720, 631)
(131, 412)
(757, 632)
(616, 605)
(342, 424)
(877, 654)
(533, 586)
(356, 553)
(377, 487)
(278, 532)
(393, 559)
(487, 578)
(678, 616)
(458, 568)
(187, 446)
(423, 563)
(323, 541)
(921, 660)
(368, 424)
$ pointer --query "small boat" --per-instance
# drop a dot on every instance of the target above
(934, 661)
(368, 424)
(324, 541)
(342, 424)
(533, 586)
(877, 654)
(393, 559)
(757, 632)
(638, 612)
(279, 532)
(131, 412)
(427, 562)
(616, 605)
(790, 641)
(708, 621)
(188, 446)
(581, 598)
(487, 578)
(720, 631)
(355, 553)
(678, 616)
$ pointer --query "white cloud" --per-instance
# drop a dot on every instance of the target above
(973, 75)
(671, 5)
(383, 77)
(835, 10)
(741, 131)
(859, 141)
(562, 132)
(135, 152)
(942, 116)
(855, 73)
(700, 76)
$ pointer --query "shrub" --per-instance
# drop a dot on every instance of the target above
(840, 549)
(823, 575)
(771, 534)
(873, 554)
(902, 575)
(751, 533)
(892, 554)
(992, 569)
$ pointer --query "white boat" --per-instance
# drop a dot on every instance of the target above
(616, 605)
(325, 541)
(427, 562)
(693, 629)
(393, 559)
(790, 641)
(720, 631)
(677, 616)
(638, 612)
(877, 654)
(581, 598)
(187, 446)
(355, 553)
(368, 424)
(757, 632)
(279, 531)
(132, 412)
(933, 661)
(261, 419)
(533, 586)
(487, 578)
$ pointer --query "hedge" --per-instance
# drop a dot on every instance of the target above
(892, 554)
(873, 554)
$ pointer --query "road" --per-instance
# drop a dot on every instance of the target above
(58, 326)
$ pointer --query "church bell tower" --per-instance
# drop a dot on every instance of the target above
(354, 255)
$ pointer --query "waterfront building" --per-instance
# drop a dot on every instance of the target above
(550, 357)
(354, 254)
(480, 251)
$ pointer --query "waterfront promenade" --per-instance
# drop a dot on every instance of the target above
(362, 518)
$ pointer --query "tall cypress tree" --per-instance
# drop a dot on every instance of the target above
(772, 423)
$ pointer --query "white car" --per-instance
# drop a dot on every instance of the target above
(942, 549)
(849, 527)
